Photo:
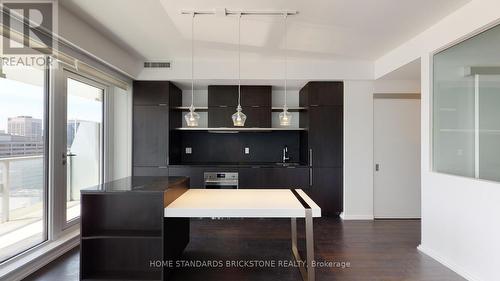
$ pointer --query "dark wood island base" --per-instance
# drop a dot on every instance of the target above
(124, 235)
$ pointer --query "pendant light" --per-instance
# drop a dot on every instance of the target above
(285, 116)
(239, 117)
(192, 117)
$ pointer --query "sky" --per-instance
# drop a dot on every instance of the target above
(20, 98)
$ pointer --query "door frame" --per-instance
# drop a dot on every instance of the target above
(58, 115)
(397, 96)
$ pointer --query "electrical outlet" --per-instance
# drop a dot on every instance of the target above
(189, 150)
(247, 150)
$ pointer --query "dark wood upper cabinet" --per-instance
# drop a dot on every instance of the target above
(156, 93)
(227, 95)
(223, 95)
(151, 124)
(255, 100)
(319, 93)
(257, 117)
(220, 116)
(326, 136)
(151, 92)
(256, 96)
(150, 137)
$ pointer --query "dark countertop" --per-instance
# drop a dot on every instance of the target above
(241, 165)
(136, 184)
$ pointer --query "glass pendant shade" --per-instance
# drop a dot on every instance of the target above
(285, 117)
(192, 117)
(239, 117)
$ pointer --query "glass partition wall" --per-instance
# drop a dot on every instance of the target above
(466, 108)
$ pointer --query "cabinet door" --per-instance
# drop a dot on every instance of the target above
(274, 177)
(223, 95)
(289, 178)
(326, 136)
(258, 117)
(195, 174)
(151, 92)
(325, 93)
(150, 136)
(327, 190)
(220, 116)
(256, 96)
(249, 178)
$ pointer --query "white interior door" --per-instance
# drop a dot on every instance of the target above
(397, 156)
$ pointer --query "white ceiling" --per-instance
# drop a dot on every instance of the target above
(410, 71)
(323, 29)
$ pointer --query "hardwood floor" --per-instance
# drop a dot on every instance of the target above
(382, 250)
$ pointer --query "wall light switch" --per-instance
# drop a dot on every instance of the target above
(247, 150)
(189, 150)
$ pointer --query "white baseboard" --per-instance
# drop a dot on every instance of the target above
(449, 264)
(39, 257)
(355, 217)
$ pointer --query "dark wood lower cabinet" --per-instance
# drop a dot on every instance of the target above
(327, 190)
(124, 235)
(259, 177)
(274, 177)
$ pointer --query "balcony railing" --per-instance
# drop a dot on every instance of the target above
(6, 183)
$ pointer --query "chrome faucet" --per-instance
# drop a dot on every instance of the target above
(286, 157)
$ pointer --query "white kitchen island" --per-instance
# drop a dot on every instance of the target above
(253, 203)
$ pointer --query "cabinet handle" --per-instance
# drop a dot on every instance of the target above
(162, 104)
(255, 106)
(310, 156)
(310, 177)
(314, 105)
(162, 167)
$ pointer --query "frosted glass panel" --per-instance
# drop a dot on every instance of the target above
(489, 127)
(466, 108)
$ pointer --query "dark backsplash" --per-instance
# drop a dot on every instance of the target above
(265, 147)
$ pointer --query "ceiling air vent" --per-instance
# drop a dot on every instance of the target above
(152, 64)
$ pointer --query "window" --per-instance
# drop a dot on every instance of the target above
(466, 108)
(23, 169)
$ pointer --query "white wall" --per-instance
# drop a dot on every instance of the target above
(397, 86)
(91, 41)
(460, 216)
(257, 70)
(121, 143)
(358, 150)
(358, 142)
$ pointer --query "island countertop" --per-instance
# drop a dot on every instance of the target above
(138, 184)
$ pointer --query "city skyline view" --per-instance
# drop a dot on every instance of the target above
(23, 99)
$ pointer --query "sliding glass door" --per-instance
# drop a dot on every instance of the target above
(23, 158)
